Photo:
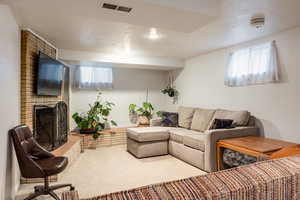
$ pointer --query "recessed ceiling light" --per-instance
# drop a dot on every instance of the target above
(127, 49)
(153, 34)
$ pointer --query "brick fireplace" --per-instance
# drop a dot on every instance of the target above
(31, 44)
(31, 104)
(50, 126)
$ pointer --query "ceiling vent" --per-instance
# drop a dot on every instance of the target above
(109, 6)
(124, 9)
(116, 7)
(258, 21)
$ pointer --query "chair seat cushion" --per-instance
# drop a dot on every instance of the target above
(148, 134)
(54, 165)
(195, 141)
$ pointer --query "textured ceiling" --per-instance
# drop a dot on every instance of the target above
(186, 28)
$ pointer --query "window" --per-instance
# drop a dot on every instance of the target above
(253, 65)
(93, 78)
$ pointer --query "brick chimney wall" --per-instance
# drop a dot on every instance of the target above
(30, 47)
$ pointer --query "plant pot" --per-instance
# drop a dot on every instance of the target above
(171, 93)
(143, 120)
(133, 117)
(87, 130)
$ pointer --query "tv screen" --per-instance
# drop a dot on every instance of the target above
(50, 76)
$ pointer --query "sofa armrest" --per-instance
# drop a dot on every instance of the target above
(155, 122)
(213, 136)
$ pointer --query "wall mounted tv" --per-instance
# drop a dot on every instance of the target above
(49, 76)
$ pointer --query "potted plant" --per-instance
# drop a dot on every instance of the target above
(171, 91)
(96, 118)
(143, 113)
(132, 113)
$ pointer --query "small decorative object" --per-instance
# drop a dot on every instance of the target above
(143, 113)
(170, 90)
(95, 120)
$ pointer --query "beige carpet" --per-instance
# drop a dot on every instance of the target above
(111, 169)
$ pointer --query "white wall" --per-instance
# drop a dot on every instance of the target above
(130, 86)
(10, 100)
(201, 83)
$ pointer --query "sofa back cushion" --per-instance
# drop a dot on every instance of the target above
(240, 118)
(201, 119)
(185, 116)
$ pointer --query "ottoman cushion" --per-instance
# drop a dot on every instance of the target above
(148, 134)
(147, 149)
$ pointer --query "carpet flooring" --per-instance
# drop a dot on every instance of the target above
(112, 169)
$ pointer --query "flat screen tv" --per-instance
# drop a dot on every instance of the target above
(49, 76)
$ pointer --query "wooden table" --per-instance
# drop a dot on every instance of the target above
(259, 147)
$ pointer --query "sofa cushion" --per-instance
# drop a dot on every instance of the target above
(240, 118)
(201, 119)
(176, 134)
(185, 116)
(195, 141)
(148, 134)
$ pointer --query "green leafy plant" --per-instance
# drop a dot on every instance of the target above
(159, 113)
(145, 110)
(95, 119)
(171, 91)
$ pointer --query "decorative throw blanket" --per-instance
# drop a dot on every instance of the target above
(268, 180)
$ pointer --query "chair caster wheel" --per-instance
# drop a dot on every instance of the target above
(72, 188)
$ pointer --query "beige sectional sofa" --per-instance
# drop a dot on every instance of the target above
(193, 141)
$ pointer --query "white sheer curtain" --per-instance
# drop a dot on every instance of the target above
(93, 77)
(253, 65)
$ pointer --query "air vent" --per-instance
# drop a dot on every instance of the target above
(124, 9)
(116, 7)
(109, 6)
(258, 21)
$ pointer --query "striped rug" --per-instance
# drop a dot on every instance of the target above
(268, 180)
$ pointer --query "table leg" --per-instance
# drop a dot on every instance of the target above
(219, 158)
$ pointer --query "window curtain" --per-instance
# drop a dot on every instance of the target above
(93, 78)
(254, 65)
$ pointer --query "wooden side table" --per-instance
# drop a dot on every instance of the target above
(259, 147)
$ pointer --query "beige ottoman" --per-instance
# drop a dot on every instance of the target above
(148, 141)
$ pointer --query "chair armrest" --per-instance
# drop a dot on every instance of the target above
(155, 122)
(213, 136)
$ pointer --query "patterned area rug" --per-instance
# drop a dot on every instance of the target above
(268, 180)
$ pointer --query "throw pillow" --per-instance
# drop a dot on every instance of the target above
(185, 116)
(222, 123)
(169, 119)
(240, 118)
(201, 119)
